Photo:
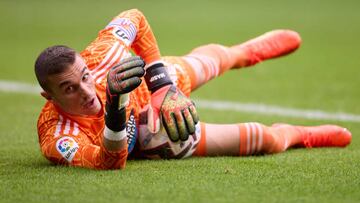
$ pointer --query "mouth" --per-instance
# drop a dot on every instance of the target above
(90, 104)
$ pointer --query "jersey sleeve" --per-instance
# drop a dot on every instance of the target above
(127, 31)
(145, 44)
(67, 144)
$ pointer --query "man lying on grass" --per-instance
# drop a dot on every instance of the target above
(99, 112)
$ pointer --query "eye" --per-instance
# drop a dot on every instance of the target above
(85, 77)
(69, 89)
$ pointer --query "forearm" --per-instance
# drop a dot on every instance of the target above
(108, 159)
(114, 138)
(145, 44)
(114, 141)
(80, 152)
(115, 151)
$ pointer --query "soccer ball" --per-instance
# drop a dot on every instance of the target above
(159, 146)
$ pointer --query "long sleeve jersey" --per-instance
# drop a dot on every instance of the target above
(77, 140)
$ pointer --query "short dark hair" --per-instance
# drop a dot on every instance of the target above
(53, 60)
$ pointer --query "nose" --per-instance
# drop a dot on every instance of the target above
(85, 90)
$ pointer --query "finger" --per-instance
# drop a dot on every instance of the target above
(181, 126)
(135, 72)
(170, 127)
(189, 121)
(131, 58)
(194, 113)
(153, 120)
(132, 64)
(128, 85)
(128, 63)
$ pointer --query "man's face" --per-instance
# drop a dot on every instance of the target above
(74, 90)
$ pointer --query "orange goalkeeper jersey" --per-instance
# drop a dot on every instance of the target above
(77, 140)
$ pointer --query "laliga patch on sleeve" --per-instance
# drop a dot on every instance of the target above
(67, 147)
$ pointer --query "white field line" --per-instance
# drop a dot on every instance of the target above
(16, 87)
(277, 110)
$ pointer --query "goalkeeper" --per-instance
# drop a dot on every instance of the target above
(98, 101)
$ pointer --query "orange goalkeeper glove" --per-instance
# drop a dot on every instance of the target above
(168, 103)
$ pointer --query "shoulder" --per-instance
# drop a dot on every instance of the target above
(52, 123)
(48, 117)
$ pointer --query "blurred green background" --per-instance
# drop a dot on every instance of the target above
(325, 66)
(322, 74)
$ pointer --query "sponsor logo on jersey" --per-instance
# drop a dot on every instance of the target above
(67, 147)
(131, 131)
(122, 35)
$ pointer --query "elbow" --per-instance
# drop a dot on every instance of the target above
(114, 160)
(117, 166)
(136, 11)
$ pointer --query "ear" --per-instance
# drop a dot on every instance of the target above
(45, 95)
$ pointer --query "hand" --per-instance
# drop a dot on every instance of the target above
(122, 79)
(178, 113)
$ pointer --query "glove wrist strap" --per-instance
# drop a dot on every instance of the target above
(115, 115)
(115, 119)
(157, 77)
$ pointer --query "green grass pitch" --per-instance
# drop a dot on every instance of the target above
(323, 74)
